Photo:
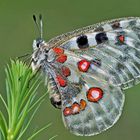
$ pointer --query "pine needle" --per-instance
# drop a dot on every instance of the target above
(21, 102)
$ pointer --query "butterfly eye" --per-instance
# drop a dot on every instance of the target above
(38, 42)
(46, 51)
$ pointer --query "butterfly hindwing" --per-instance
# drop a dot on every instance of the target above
(97, 116)
(90, 103)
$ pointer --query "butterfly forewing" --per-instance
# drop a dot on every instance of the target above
(116, 43)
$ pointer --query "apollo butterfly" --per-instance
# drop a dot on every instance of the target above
(88, 69)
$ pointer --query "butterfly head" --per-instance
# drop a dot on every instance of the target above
(40, 47)
(40, 53)
(38, 43)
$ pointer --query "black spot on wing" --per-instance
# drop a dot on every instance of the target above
(82, 41)
(101, 37)
(116, 25)
(99, 29)
(96, 62)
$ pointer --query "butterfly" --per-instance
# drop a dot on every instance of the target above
(88, 69)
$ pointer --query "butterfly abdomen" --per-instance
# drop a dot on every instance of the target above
(54, 93)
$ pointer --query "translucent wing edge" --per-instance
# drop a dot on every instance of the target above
(93, 134)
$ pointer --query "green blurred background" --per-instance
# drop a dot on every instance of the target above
(17, 31)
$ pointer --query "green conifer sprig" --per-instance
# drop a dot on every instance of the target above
(22, 102)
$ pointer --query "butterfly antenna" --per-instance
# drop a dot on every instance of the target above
(35, 21)
(41, 26)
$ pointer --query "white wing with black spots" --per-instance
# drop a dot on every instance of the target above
(117, 45)
(87, 70)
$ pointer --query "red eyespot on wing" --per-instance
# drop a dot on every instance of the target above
(66, 71)
(67, 111)
(58, 50)
(83, 104)
(94, 94)
(121, 38)
(62, 58)
(62, 82)
(75, 108)
(83, 65)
